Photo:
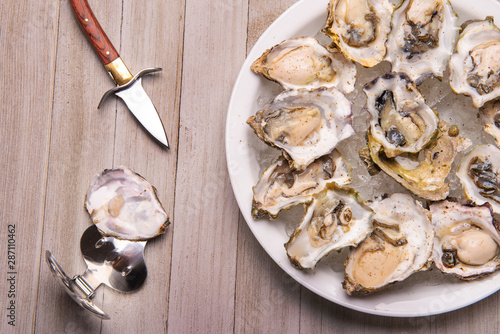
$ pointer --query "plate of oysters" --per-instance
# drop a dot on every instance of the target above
(361, 143)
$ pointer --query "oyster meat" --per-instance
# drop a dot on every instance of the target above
(336, 218)
(359, 28)
(123, 205)
(479, 173)
(281, 186)
(400, 120)
(467, 243)
(304, 63)
(423, 173)
(304, 124)
(400, 244)
(475, 67)
(422, 38)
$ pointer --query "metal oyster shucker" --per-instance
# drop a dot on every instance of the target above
(116, 263)
(129, 88)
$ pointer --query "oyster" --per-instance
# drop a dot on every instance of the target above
(467, 243)
(423, 173)
(304, 63)
(422, 39)
(400, 244)
(399, 118)
(336, 218)
(281, 186)
(490, 116)
(475, 67)
(479, 173)
(123, 205)
(305, 124)
(359, 28)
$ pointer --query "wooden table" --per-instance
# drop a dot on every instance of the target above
(207, 274)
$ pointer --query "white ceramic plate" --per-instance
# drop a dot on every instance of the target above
(425, 293)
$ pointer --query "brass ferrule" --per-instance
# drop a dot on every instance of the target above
(119, 71)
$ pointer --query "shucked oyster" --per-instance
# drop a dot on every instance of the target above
(123, 205)
(479, 173)
(467, 242)
(422, 38)
(359, 28)
(399, 118)
(400, 244)
(475, 68)
(304, 63)
(305, 124)
(336, 218)
(281, 186)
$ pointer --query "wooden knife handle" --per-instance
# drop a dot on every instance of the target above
(100, 42)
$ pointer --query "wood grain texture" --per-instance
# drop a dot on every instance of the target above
(206, 215)
(27, 61)
(81, 146)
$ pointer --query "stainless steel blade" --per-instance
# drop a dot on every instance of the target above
(143, 109)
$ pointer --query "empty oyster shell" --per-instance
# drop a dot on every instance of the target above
(422, 38)
(305, 124)
(479, 173)
(400, 120)
(304, 63)
(123, 205)
(336, 218)
(467, 243)
(400, 244)
(359, 28)
(281, 186)
(474, 69)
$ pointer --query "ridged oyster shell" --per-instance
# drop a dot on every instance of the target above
(359, 28)
(304, 63)
(422, 38)
(467, 243)
(400, 244)
(281, 186)
(479, 173)
(304, 124)
(123, 205)
(475, 67)
(336, 218)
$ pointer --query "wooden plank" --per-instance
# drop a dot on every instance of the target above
(27, 57)
(205, 229)
(81, 146)
(267, 299)
(152, 36)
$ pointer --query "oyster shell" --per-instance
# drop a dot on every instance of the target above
(336, 218)
(422, 38)
(467, 243)
(123, 205)
(399, 118)
(479, 173)
(475, 67)
(423, 173)
(400, 244)
(490, 116)
(359, 28)
(281, 186)
(304, 124)
(304, 63)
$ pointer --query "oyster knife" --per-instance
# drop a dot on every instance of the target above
(129, 87)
